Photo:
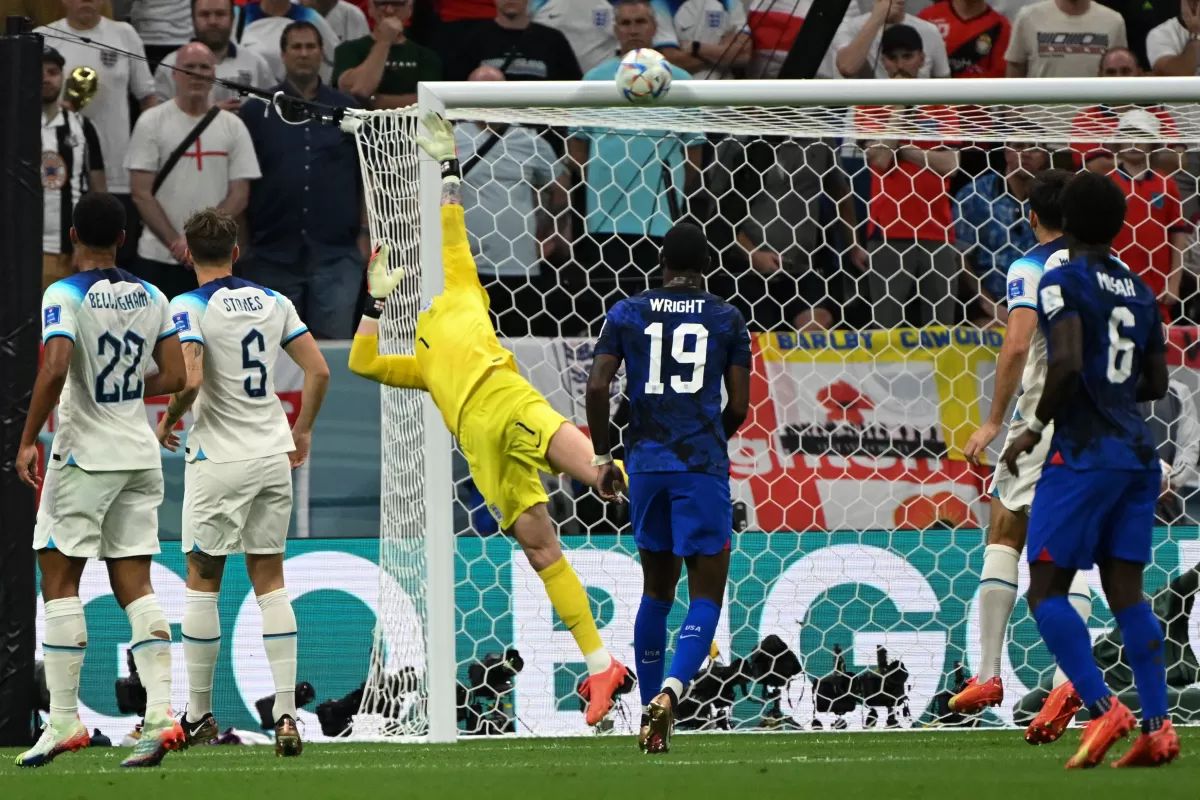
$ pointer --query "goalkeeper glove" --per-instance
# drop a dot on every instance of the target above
(440, 144)
(380, 282)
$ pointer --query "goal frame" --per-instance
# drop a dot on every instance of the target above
(447, 97)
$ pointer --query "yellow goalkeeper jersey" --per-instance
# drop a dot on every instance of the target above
(456, 344)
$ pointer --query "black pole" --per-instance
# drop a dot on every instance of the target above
(20, 336)
(814, 39)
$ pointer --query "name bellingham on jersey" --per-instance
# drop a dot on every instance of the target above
(1101, 426)
(676, 346)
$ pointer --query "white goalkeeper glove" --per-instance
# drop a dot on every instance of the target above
(380, 282)
(440, 144)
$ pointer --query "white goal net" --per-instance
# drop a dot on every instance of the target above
(864, 229)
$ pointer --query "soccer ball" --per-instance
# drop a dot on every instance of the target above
(643, 76)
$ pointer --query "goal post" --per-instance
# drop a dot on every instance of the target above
(849, 472)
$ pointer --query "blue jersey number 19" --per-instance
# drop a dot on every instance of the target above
(696, 356)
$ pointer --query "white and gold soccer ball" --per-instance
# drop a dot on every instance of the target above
(644, 76)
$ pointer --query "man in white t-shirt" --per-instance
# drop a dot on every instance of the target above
(346, 20)
(1173, 48)
(240, 454)
(215, 170)
(213, 21)
(100, 330)
(261, 25)
(588, 26)
(714, 38)
(856, 45)
(118, 77)
(1062, 39)
(164, 25)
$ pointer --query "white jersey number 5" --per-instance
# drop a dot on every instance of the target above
(696, 356)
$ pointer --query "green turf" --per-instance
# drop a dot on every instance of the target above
(975, 765)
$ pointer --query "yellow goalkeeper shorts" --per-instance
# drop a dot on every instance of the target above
(504, 431)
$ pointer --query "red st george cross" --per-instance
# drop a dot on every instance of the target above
(200, 154)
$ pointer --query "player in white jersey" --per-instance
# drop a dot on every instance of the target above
(103, 486)
(1021, 364)
(240, 453)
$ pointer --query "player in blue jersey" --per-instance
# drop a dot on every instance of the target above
(1095, 500)
(680, 344)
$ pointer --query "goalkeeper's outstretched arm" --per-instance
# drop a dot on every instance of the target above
(365, 360)
(457, 262)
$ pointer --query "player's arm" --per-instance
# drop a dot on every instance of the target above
(304, 351)
(737, 381)
(1152, 382)
(181, 401)
(172, 374)
(457, 262)
(606, 360)
(365, 360)
(56, 360)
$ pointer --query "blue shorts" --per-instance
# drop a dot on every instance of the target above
(1079, 518)
(686, 513)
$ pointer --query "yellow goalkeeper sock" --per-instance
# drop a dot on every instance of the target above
(571, 602)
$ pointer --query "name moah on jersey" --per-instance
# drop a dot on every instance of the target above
(669, 306)
(1121, 286)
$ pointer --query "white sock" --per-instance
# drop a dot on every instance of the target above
(151, 645)
(997, 596)
(279, 639)
(1080, 598)
(675, 685)
(201, 645)
(598, 661)
(63, 648)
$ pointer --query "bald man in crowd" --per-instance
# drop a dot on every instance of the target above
(215, 170)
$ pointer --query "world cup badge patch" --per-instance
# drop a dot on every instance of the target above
(1016, 288)
(182, 321)
(53, 315)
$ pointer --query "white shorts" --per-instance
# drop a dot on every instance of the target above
(1016, 494)
(99, 514)
(238, 506)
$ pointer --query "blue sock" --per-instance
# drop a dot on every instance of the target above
(1066, 634)
(1143, 637)
(649, 645)
(695, 639)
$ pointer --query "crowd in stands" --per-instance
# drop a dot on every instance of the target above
(807, 234)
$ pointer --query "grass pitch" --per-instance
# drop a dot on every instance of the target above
(941, 764)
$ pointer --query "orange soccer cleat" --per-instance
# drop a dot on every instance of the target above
(1058, 709)
(1102, 733)
(598, 690)
(978, 696)
(1152, 749)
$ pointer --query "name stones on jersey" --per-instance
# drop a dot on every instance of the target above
(124, 302)
(243, 304)
(1121, 286)
(676, 306)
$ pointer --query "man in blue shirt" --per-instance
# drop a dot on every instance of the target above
(680, 345)
(637, 181)
(1095, 500)
(307, 218)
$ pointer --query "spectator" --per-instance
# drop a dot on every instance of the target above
(346, 19)
(261, 24)
(990, 223)
(859, 39)
(42, 12)
(771, 193)
(521, 49)
(1062, 39)
(1155, 233)
(307, 218)
(773, 29)
(1173, 48)
(1141, 17)
(383, 69)
(119, 76)
(1173, 420)
(713, 38)
(975, 34)
(910, 224)
(514, 191)
(164, 25)
(215, 171)
(589, 27)
(72, 164)
(213, 22)
(632, 180)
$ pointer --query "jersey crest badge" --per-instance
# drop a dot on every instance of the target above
(715, 18)
(53, 315)
(182, 322)
(1016, 288)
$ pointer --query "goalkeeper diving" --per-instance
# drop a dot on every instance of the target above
(506, 429)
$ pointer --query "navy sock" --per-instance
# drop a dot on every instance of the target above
(695, 639)
(649, 645)
(1067, 637)
(1143, 638)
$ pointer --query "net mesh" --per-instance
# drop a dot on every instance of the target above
(873, 272)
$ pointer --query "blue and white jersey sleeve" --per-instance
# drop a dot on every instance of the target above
(1055, 300)
(168, 326)
(1024, 276)
(187, 314)
(293, 326)
(60, 306)
(609, 341)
